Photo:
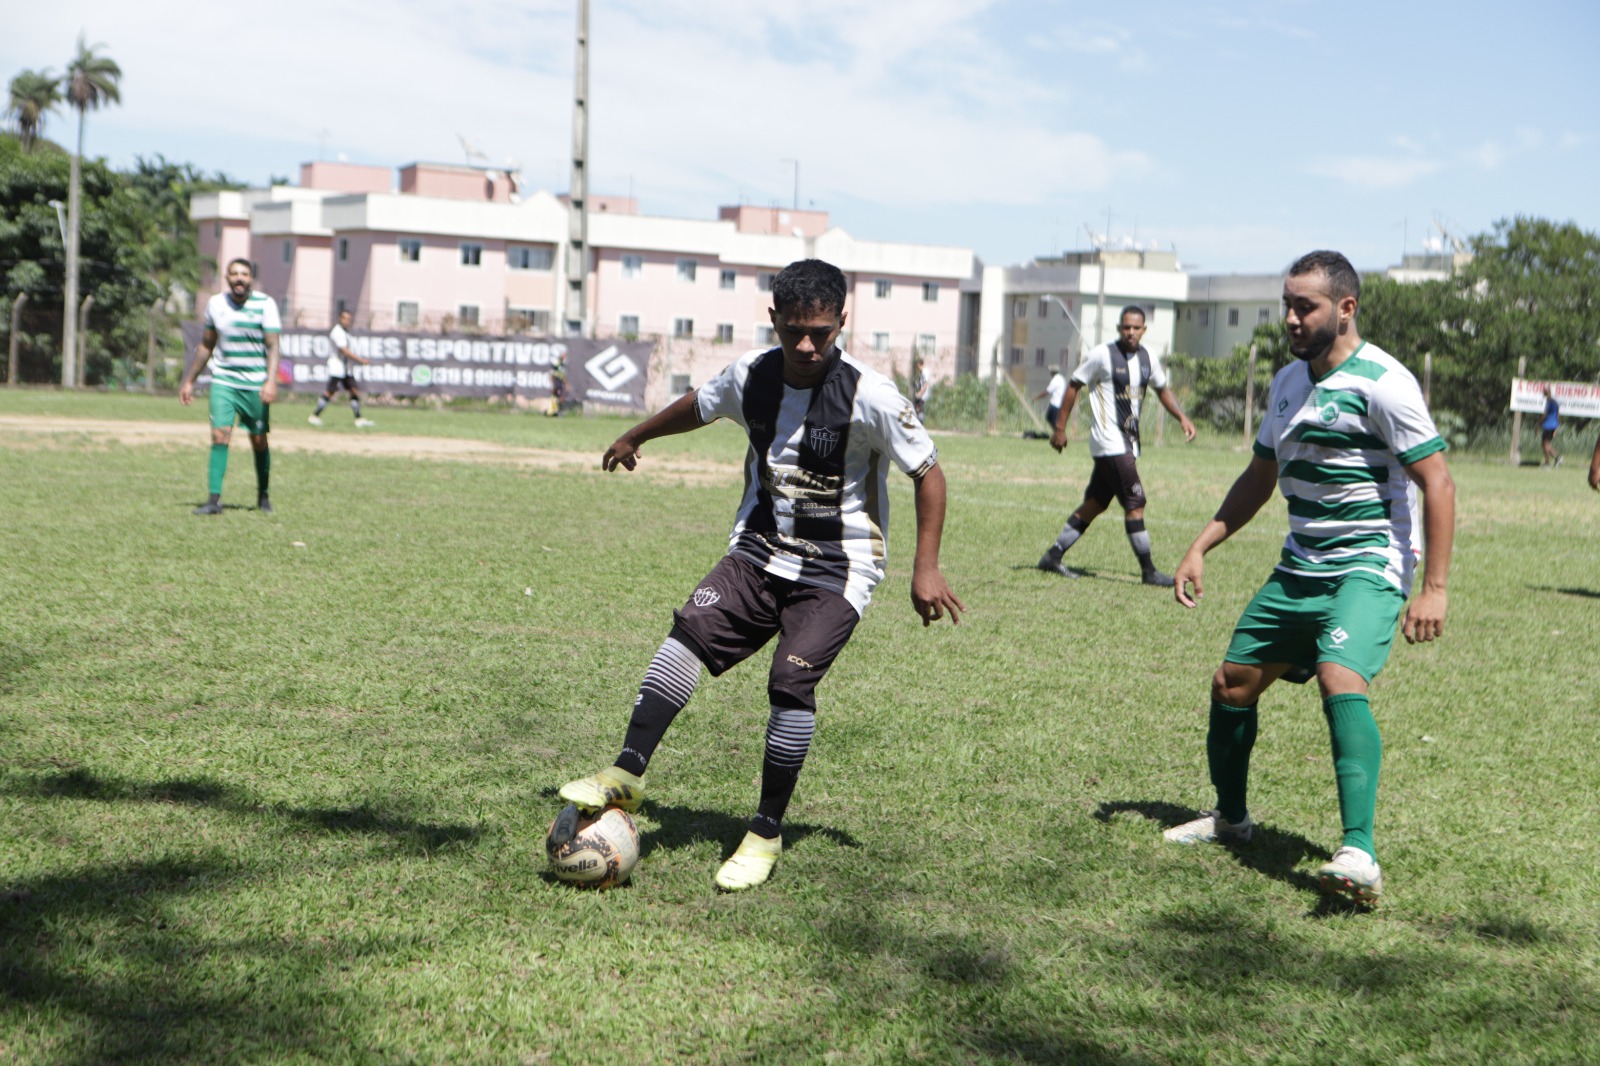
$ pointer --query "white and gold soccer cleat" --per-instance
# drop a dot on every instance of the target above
(751, 864)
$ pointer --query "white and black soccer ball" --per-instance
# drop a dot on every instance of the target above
(600, 854)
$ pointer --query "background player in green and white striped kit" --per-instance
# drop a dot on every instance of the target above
(1348, 438)
(241, 344)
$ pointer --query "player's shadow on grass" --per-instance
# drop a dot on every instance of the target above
(1273, 852)
(1588, 594)
(378, 820)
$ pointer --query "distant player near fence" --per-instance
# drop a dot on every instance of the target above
(341, 372)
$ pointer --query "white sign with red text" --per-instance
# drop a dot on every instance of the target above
(1575, 398)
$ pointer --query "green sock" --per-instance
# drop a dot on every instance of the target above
(263, 467)
(219, 466)
(1228, 743)
(1357, 753)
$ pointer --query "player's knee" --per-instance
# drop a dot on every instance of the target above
(1230, 689)
(789, 687)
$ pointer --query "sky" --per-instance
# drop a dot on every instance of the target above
(1239, 134)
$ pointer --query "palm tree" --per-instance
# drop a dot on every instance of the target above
(33, 92)
(91, 80)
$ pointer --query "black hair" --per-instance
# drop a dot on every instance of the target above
(1135, 308)
(247, 265)
(1342, 277)
(809, 285)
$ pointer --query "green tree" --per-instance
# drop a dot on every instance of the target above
(91, 81)
(34, 94)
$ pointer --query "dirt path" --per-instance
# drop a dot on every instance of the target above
(387, 445)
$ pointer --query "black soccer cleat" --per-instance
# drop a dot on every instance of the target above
(564, 828)
(1158, 579)
(211, 507)
(263, 504)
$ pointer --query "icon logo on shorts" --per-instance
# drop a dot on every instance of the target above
(801, 662)
(823, 440)
(1339, 636)
(1328, 414)
(706, 596)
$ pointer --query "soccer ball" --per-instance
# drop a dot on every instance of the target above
(600, 854)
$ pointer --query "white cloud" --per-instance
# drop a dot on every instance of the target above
(1570, 140)
(1488, 155)
(1372, 172)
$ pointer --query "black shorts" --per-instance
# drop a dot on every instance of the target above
(1050, 414)
(1115, 476)
(738, 607)
(1549, 435)
(347, 383)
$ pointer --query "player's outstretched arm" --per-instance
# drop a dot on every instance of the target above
(1425, 613)
(679, 416)
(1250, 491)
(930, 593)
(269, 388)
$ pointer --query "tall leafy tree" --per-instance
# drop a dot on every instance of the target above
(91, 80)
(34, 94)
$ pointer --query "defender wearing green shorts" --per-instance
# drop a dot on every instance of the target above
(1348, 439)
(241, 328)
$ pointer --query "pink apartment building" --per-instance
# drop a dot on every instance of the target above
(456, 248)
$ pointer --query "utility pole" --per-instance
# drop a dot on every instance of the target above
(578, 195)
(796, 163)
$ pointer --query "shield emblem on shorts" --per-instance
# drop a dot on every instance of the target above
(705, 596)
(822, 440)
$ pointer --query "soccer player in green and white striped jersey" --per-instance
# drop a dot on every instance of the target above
(241, 344)
(1348, 439)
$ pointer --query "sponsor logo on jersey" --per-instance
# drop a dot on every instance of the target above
(908, 419)
(823, 440)
(705, 596)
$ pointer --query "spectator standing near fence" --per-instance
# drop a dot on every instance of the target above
(1547, 429)
(1053, 393)
(341, 372)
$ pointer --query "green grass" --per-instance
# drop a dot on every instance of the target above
(263, 802)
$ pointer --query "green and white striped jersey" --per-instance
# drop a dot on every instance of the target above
(240, 358)
(1342, 445)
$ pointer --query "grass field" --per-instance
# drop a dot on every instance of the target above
(274, 789)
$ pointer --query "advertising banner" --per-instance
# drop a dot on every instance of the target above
(1576, 399)
(610, 373)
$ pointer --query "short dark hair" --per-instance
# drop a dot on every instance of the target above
(1133, 309)
(1342, 277)
(247, 265)
(809, 285)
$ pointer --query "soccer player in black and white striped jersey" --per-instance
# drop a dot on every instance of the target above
(807, 547)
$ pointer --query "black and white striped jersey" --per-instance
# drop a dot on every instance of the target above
(816, 504)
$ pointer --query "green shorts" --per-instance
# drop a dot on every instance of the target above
(228, 404)
(1303, 621)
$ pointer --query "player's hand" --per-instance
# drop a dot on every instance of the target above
(1425, 617)
(269, 391)
(186, 394)
(1058, 439)
(1189, 572)
(932, 598)
(1188, 429)
(623, 452)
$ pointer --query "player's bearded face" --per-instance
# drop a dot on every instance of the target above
(1310, 315)
(239, 281)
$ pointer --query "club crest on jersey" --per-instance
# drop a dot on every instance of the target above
(705, 596)
(1328, 414)
(908, 418)
(823, 440)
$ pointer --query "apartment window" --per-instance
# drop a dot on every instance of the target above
(288, 251)
(344, 249)
(727, 279)
(1066, 357)
(930, 292)
(880, 342)
(882, 288)
(1019, 309)
(530, 258)
(632, 266)
(1205, 316)
(1016, 357)
(471, 254)
(764, 280)
(1233, 316)
(1038, 357)
(926, 343)
(686, 270)
(1263, 315)
(680, 384)
(628, 325)
(468, 315)
(683, 327)
(410, 250)
(725, 332)
(405, 313)
(1044, 307)
(527, 320)
(765, 336)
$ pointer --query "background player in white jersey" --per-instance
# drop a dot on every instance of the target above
(1116, 375)
(242, 328)
(1348, 438)
(807, 546)
(341, 372)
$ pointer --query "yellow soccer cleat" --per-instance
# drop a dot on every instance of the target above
(751, 864)
(611, 787)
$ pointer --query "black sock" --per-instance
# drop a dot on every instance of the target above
(668, 683)
(355, 405)
(263, 468)
(789, 732)
(1069, 536)
(322, 402)
(1140, 542)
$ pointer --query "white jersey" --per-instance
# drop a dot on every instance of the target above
(816, 502)
(1056, 391)
(336, 362)
(1342, 445)
(239, 360)
(1113, 427)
